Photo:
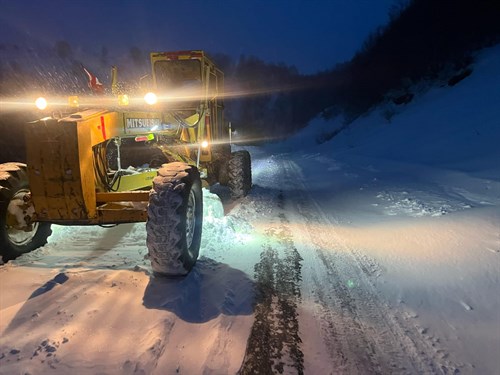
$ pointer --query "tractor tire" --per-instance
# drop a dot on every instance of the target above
(240, 174)
(221, 154)
(18, 233)
(175, 218)
(223, 173)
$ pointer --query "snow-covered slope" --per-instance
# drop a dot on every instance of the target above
(420, 196)
(456, 127)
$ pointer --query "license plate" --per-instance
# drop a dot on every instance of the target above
(140, 125)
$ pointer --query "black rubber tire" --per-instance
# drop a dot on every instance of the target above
(14, 183)
(220, 156)
(172, 250)
(247, 169)
(240, 174)
(224, 173)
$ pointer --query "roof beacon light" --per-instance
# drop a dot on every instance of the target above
(73, 101)
(123, 100)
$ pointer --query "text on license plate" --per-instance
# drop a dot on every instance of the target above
(142, 123)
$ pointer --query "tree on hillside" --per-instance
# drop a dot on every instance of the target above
(263, 96)
(420, 41)
(63, 49)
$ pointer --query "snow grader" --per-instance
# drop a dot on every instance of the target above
(125, 160)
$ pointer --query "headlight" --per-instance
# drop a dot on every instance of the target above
(204, 144)
(150, 98)
(41, 103)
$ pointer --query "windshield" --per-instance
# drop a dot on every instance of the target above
(177, 74)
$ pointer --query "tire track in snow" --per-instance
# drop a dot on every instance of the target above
(362, 333)
(274, 342)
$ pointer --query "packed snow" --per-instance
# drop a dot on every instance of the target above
(375, 252)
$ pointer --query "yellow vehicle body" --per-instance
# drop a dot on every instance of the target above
(66, 159)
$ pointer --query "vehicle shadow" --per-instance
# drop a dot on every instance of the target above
(210, 289)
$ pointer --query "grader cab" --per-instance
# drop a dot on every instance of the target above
(128, 160)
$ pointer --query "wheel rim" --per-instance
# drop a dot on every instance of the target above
(18, 209)
(190, 219)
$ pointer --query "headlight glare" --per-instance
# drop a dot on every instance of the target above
(150, 98)
(41, 103)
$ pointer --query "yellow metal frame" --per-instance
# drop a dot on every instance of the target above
(62, 175)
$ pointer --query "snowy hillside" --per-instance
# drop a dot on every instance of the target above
(456, 127)
(420, 195)
(377, 252)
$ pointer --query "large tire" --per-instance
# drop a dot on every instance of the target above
(240, 174)
(175, 217)
(220, 156)
(18, 233)
(224, 173)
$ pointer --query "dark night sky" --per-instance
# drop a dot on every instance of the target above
(310, 34)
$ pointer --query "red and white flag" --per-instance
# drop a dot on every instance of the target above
(94, 83)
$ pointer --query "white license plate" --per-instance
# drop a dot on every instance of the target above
(141, 124)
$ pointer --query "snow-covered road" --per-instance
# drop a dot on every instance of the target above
(318, 307)
(289, 281)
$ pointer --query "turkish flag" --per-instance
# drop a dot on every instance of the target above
(96, 86)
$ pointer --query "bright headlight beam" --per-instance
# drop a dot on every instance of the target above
(41, 103)
(150, 98)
